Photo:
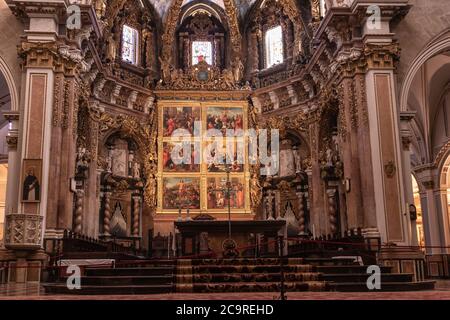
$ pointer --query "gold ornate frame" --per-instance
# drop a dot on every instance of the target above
(204, 174)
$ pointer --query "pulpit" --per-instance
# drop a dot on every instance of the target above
(200, 239)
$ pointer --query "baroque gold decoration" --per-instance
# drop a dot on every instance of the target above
(199, 77)
(145, 135)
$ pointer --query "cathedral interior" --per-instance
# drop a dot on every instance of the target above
(133, 130)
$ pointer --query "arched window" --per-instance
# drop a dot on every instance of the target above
(323, 9)
(129, 45)
(274, 46)
(202, 51)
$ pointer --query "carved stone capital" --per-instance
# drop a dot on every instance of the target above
(382, 56)
(406, 142)
(23, 231)
(12, 141)
(429, 184)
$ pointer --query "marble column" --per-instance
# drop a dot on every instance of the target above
(429, 210)
(12, 187)
(406, 134)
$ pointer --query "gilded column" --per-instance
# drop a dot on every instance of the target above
(78, 221)
(107, 214)
(349, 145)
(364, 153)
(136, 215)
(332, 213)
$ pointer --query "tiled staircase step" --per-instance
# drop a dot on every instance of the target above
(145, 263)
(329, 261)
(247, 262)
(259, 287)
(108, 290)
(347, 269)
(248, 277)
(244, 269)
(362, 277)
(385, 286)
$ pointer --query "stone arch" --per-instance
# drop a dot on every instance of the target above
(173, 17)
(7, 74)
(435, 46)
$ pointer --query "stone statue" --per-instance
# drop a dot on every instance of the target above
(165, 69)
(329, 157)
(238, 69)
(136, 170)
(176, 78)
(111, 49)
(297, 160)
(109, 161)
(255, 191)
(228, 78)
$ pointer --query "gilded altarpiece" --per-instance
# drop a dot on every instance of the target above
(199, 184)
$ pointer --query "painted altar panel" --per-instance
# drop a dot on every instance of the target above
(179, 117)
(181, 158)
(197, 178)
(223, 118)
(181, 191)
(216, 193)
(220, 154)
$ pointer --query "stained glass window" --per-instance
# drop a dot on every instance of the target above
(322, 8)
(129, 44)
(274, 46)
(201, 51)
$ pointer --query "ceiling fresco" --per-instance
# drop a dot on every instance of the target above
(162, 6)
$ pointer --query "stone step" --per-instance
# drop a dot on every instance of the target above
(148, 271)
(145, 263)
(347, 269)
(242, 262)
(101, 255)
(362, 277)
(108, 290)
(385, 286)
(330, 261)
(246, 277)
(124, 280)
(253, 287)
(211, 269)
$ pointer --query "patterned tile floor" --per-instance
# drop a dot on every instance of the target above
(35, 292)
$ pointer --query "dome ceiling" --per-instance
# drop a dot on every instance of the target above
(162, 6)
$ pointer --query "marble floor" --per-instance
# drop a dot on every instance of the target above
(35, 292)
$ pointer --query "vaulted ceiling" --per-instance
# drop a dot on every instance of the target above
(162, 6)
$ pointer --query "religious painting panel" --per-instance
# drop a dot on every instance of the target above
(181, 192)
(180, 118)
(217, 191)
(181, 156)
(119, 156)
(220, 155)
(31, 180)
(225, 118)
(121, 215)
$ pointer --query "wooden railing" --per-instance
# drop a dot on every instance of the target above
(72, 242)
